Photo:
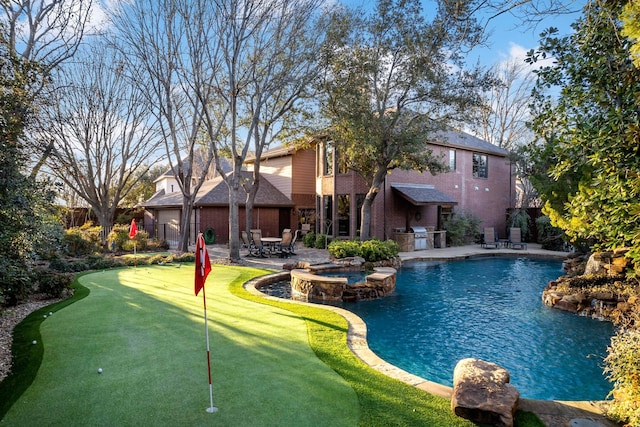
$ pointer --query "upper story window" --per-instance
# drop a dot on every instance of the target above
(328, 158)
(480, 166)
(452, 160)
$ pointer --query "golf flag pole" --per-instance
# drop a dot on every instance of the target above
(133, 230)
(203, 268)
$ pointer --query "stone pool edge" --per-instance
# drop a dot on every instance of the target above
(549, 411)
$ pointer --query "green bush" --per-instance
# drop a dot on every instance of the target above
(119, 240)
(344, 248)
(623, 371)
(520, 218)
(462, 228)
(309, 239)
(54, 284)
(15, 280)
(321, 241)
(550, 237)
(371, 250)
(375, 250)
(80, 241)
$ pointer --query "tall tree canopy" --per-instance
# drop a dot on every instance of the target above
(593, 130)
(102, 129)
(392, 80)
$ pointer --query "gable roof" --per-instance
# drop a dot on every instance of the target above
(215, 192)
(463, 140)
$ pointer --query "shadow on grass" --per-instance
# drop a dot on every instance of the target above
(27, 356)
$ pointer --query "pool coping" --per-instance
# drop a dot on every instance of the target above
(552, 412)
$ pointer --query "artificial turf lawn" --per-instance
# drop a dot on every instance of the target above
(151, 346)
(144, 327)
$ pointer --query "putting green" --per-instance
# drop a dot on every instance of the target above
(144, 327)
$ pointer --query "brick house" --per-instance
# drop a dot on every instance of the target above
(480, 181)
(306, 189)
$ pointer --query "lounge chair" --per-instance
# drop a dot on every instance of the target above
(489, 238)
(515, 238)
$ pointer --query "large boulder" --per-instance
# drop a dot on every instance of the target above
(482, 393)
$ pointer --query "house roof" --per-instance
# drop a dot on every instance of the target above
(215, 192)
(273, 153)
(466, 141)
(422, 195)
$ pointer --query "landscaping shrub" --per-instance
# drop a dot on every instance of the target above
(344, 248)
(15, 281)
(80, 241)
(375, 250)
(550, 237)
(321, 241)
(462, 228)
(309, 239)
(54, 284)
(371, 250)
(623, 371)
(520, 218)
(119, 239)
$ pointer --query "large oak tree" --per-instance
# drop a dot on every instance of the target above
(393, 80)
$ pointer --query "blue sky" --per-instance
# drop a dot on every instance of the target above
(508, 39)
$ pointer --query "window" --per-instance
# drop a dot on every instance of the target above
(328, 158)
(359, 202)
(480, 166)
(344, 214)
(452, 160)
(327, 202)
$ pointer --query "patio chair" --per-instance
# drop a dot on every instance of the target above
(249, 245)
(292, 245)
(284, 245)
(489, 238)
(515, 238)
(256, 237)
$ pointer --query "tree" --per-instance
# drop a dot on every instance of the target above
(391, 82)
(102, 130)
(593, 129)
(630, 18)
(24, 203)
(172, 55)
(503, 122)
(46, 32)
(145, 186)
(268, 49)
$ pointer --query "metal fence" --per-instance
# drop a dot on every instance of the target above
(170, 233)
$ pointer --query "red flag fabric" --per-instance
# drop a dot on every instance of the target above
(133, 229)
(203, 263)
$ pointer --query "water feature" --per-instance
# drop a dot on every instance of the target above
(489, 308)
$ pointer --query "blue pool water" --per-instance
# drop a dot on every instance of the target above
(488, 308)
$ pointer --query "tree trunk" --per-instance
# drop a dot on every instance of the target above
(365, 225)
(185, 224)
(234, 218)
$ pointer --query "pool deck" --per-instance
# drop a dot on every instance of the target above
(552, 413)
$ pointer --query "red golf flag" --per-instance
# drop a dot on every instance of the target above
(133, 229)
(203, 263)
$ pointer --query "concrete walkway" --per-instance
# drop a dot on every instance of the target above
(552, 413)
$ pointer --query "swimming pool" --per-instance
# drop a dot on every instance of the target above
(489, 308)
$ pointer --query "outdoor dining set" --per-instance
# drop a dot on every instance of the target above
(260, 246)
